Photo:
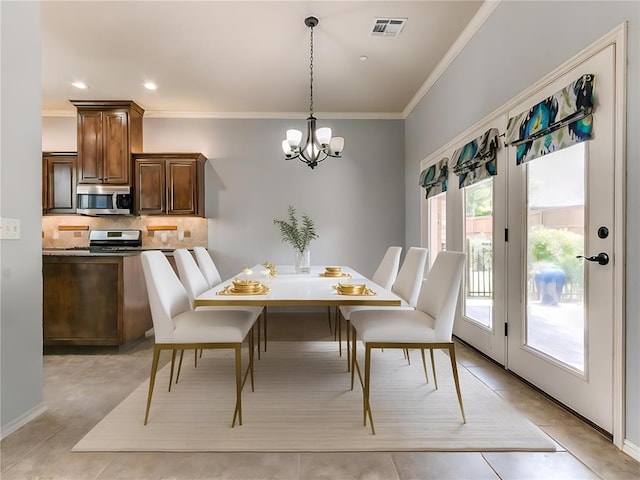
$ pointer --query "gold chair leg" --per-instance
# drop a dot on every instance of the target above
(259, 329)
(238, 411)
(353, 354)
(264, 318)
(173, 362)
(179, 365)
(424, 365)
(433, 368)
(338, 326)
(329, 318)
(454, 367)
(348, 328)
(152, 380)
(251, 347)
(367, 383)
(406, 355)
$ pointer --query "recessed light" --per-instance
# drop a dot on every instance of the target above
(80, 85)
(150, 86)
(363, 58)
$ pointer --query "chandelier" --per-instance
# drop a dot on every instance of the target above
(319, 144)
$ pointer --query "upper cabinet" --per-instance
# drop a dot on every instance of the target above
(169, 183)
(59, 182)
(108, 133)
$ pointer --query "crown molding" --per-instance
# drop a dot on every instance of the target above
(251, 115)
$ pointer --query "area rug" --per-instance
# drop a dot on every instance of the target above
(303, 403)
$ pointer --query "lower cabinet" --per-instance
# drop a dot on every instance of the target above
(89, 300)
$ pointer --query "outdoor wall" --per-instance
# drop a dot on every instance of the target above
(519, 44)
(357, 201)
(21, 394)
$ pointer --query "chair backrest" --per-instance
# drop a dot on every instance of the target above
(167, 296)
(439, 293)
(207, 267)
(410, 276)
(387, 271)
(190, 275)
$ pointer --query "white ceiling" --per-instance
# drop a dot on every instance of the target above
(244, 58)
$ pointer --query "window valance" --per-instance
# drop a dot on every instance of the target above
(559, 121)
(434, 178)
(476, 160)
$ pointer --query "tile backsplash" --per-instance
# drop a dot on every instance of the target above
(66, 231)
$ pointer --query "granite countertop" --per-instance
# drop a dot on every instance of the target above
(85, 252)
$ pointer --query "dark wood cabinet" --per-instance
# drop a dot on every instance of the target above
(89, 300)
(59, 182)
(169, 184)
(108, 133)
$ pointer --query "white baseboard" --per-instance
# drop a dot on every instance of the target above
(15, 424)
(632, 450)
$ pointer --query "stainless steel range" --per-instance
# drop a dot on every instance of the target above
(115, 240)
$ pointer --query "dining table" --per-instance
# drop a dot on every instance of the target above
(290, 288)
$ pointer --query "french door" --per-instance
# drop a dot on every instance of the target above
(560, 307)
(528, 301)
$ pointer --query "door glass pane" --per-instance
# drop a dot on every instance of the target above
(555, 235)
(437, 225)
(478, 203)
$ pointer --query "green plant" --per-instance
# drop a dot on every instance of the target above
(550, 246)
(298, 234)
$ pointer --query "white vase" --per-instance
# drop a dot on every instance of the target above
(303, 261)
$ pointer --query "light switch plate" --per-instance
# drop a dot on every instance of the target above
(9, 229)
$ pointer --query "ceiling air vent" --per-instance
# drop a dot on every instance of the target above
(387, 27)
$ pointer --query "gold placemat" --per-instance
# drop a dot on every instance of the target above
(365, 291)
(230, 290)
(339, 275)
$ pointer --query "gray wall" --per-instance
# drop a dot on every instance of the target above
(519, 44)
(357, 201)
(20, 193)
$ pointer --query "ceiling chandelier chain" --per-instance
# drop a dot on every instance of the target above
(319, 144)
(311, 73)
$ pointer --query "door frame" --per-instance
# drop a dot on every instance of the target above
(618, 38)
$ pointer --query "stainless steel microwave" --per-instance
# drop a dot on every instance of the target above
(104, 200)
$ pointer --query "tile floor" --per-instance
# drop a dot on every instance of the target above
(80, 389)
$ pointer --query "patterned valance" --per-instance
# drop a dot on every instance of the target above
(476, 160)
(434, 178)
(557, 122)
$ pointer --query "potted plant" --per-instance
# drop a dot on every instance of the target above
(299, 235)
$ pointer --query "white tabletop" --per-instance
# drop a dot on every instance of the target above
(290, 288)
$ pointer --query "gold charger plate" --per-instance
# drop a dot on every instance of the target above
(230, 290)
(334, 275)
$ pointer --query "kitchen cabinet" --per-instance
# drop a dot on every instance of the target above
(59, 182)
(94, 300)
(169, 183)
(108, 133)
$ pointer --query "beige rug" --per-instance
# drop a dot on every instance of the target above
(302, 402)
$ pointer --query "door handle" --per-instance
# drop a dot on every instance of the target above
(602, 258)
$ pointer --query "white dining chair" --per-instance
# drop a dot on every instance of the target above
(406, 285)
(208, 268)
(384, 276)
(195, 284)
(429, 326)
(177, 327)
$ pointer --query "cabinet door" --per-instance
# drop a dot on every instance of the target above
(181, 187)
(150, 187)
(116, 157)
(61, 184)
(90, 147)
(74, 313)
